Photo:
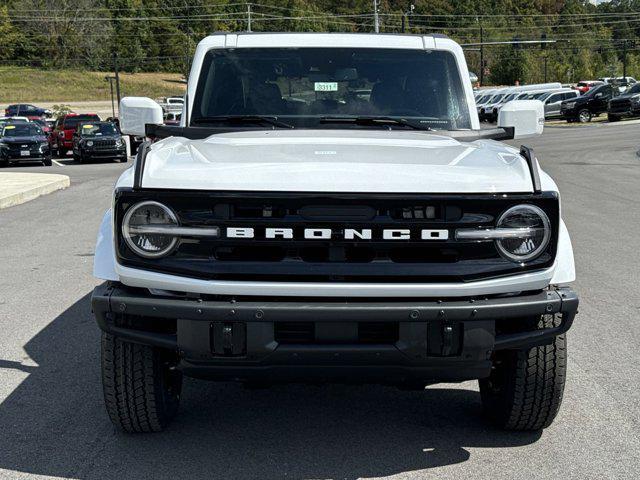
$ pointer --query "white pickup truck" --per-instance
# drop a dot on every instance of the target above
(329, 210)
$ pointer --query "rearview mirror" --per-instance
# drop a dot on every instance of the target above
(136, 112)
(525, 117)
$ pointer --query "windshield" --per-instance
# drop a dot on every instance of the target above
(497, 98)
(634, 89)
(72, 122)
(593, 90)
(21, 130)
(97, 129)
(304, 85)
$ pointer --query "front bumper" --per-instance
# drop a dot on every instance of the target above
(385, 341)
(632, 110)
(104, 154)
(18, 157)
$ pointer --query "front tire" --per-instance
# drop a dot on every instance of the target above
(524, 391)
(613, 118)
(584, 116)
(47, 161)
(141, 389)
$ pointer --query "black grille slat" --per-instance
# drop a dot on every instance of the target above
(294, 332)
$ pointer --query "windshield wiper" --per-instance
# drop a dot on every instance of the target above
(377, 121)
(243, 119)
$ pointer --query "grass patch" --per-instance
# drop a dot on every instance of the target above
(23, 84)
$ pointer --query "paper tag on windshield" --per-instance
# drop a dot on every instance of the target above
(326, 86)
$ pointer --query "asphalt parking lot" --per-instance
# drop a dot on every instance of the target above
(53, 423)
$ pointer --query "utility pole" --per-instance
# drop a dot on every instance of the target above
(375, 16)
(481, 55)
(117, 76)
(248, 17)
(624, 58)
(545, 69)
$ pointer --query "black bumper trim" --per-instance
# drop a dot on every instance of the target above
(107, 298)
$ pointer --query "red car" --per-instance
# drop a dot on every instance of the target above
(584, 86)
(61, 138)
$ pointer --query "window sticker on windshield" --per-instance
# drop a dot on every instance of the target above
(9, 127)
(326, 86)
(87, 126)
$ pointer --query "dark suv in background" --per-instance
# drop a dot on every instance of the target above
(98, 140)
(61, 139)
(625, 105)
(589, 105)
(23, 142)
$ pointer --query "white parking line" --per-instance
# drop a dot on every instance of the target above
(58, 163)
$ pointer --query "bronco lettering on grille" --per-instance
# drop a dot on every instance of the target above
(345, 234)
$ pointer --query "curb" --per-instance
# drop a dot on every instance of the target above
(17, 188)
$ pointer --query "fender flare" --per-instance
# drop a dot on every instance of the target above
(104, 261)
(565, 269)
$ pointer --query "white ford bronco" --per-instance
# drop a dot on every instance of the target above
(329, 210)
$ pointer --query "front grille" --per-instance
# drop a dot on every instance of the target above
(336, 258)
(106, 144)
(620, 106)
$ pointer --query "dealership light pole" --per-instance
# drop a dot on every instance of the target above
(117, 76)
(248, 17)
(110, 79)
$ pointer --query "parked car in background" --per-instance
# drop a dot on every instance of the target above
(171, 104)
(24, 142)
(582, 109)
(27, 110)
(98, 141)
(625, 105)
(622, 83)
(172, 118)
(61, 139)
(14, 119)
(553, 101)
(585, 85)
(46, 126)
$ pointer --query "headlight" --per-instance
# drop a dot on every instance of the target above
(119, 143)
(44, 146)
(89, 143)
(531, 231)
(145, 229)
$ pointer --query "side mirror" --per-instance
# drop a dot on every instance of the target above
(136, 112)
(526, 117)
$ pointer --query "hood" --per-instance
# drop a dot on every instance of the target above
(335, 161)
(30, 138)
(626, 96)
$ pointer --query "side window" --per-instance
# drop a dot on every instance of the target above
(554, 98)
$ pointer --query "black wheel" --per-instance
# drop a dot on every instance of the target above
(141, 388)
(80, 157)
(524, 391)
(4, 164)
(47, 161)
(584, 116)
(613, 118)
